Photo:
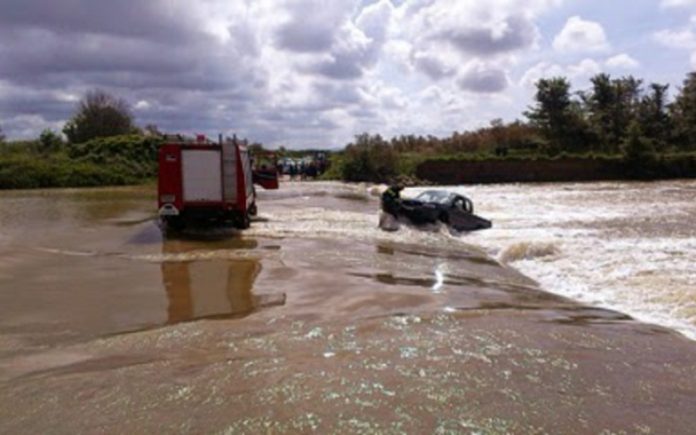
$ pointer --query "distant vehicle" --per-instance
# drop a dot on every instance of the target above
(203, 183)
(453, 209)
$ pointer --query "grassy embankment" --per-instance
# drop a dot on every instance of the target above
(113, 161)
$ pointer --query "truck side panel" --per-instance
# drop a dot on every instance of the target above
(169, 185)
(229, 172)
(246, 174)
(202, 178)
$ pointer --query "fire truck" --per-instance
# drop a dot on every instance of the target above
(204, 183)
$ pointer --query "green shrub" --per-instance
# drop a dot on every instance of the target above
(118, 160)
(370, 158)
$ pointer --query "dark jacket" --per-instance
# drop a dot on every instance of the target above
(391, 201)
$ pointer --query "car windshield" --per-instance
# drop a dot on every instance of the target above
(437, 196)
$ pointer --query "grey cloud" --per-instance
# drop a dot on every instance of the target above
(85, 53)
(432, 66)
(338, 94)
(152, 19)
(184, 79)
(312, 26)
(50, 109)
(340, 68)
(328, 33)
(304, 38)
(366, 114)
(192, 82)
(348, 59)
(483, 80)
(518, 33)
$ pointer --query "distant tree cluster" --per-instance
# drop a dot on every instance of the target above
(497, 137)
(613, 115)
(606, 119)
(616, 117)
(369, 158)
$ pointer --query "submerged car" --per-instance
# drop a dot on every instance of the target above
(450, 208)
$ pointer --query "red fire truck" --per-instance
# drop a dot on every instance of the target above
(205, 183)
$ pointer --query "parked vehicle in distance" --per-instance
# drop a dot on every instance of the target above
(450, 208)
(204, 183)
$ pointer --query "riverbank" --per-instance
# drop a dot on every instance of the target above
(314, 320)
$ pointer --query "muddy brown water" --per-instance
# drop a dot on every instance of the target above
(312, 321)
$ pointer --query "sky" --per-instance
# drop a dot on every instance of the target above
(301, 73)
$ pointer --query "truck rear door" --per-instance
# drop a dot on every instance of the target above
(202, 178)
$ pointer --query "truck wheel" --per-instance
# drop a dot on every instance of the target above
(243, 222)
(253, 210)
(174, 223)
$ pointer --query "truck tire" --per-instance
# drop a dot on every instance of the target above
(174, 223)
(243, 221)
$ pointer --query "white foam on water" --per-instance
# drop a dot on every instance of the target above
(626, 247)
(325, 223)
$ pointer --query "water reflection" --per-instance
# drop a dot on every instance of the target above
(210, 288)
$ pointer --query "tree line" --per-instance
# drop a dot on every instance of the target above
(615, 118)
(612, 112)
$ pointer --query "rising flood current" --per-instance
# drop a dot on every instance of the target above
(391, 332)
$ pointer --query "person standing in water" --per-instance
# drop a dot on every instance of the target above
(391, 200)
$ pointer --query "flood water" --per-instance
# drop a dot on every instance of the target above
(80, 264)
(84, 272)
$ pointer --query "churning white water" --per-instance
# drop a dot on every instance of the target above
(630, 247)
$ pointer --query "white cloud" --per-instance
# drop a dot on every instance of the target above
(376, 20)
(142, 105)
(580, 35)
(622, 61)
(680, 39)
(677, 3)
(577, 73)
(480, 29)
(685, 38)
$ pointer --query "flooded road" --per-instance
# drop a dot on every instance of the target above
(83, 264)
(315, 320)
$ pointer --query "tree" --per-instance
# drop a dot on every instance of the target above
(152, 130)
(683, 112)
(50, 141)
(611, 105)
(599, 103)
(654, 117)
(99, 114)
(638, 152)
(370, 158)
(557, 116)
(2, 136)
